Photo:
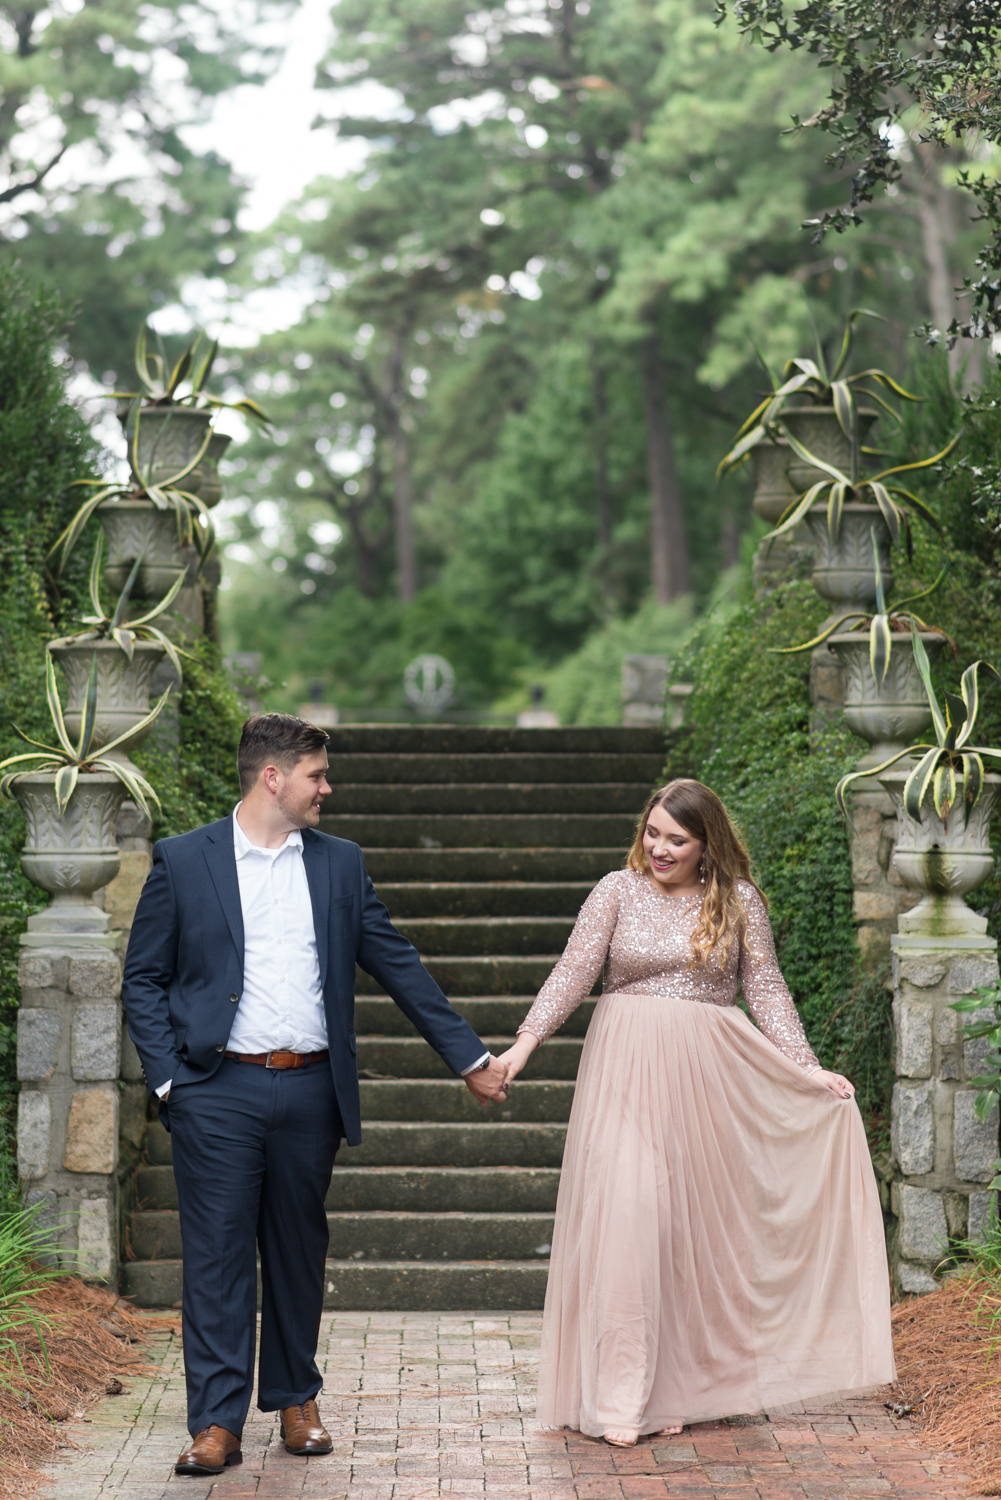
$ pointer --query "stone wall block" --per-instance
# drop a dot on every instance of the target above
(912, 1128)
(982, 1207)
(969, 974)
(874, 906)
(92, 1132)
(975, 1052)
(34, 1133)
(97, 1040)
(132, 1114)
(38, 1036)
(96, 1259)
(913, 1027)
(864, 845)
(132, 1068)
(924, 1234)
(95, 978)
(975, 1142)
(922, 973)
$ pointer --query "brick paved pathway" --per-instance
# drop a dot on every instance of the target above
(429, 1405)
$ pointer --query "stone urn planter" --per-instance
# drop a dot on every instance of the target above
(891, 715)
(72, 855)
(136, 528)
(943, 860)
(209, 485)
(844, 569)
(123, 687)
(773, 493)
(819, 430)
(168, 439)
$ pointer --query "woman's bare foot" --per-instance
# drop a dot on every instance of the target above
(670, 1431)
(622, 1437)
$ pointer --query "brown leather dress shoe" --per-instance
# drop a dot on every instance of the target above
(303, 1432)
(212, 1450)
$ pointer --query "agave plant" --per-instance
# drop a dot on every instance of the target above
(161, 382)
(881, 626)
(825, 387)
(115, 627)
(840, 488)
(952, 767)
(161, 387)
(69, 760)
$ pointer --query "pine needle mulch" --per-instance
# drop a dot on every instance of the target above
(949, 1370)
(91, 1340)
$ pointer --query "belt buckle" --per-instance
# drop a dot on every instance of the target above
(269, 1064)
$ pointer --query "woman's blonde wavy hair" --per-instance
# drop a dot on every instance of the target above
(701, 813)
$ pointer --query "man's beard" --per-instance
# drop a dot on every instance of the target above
(293, 809)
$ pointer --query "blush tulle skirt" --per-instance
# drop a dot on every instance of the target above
(718, 1247)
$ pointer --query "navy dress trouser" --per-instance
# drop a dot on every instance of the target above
(253, 1154)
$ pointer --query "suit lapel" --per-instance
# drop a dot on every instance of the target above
(314, 858)
(220, 856)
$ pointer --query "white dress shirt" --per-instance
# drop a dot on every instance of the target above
(281, 1008)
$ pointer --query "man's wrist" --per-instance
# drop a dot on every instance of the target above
(475, 1067)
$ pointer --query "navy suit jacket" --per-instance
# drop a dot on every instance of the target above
(184, 969)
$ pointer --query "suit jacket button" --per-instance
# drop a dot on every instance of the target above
(235, 999)
(221, 1048)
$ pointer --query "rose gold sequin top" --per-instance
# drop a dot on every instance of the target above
(639, 940)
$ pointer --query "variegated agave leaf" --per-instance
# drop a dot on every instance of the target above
(812, 459)
(917, 783)
(924, 668)
(65, 786)
(150, 632)
(56, 708)
(137, 729)
(846, 781)
(818, 640)
(973, 782)
(164, 604)
(89, 716)
(795, 512)
(944, 790)
(888, 508)
(880, 645)
(137, 786)
(740, 450)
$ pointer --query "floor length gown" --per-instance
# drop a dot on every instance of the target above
(718, 1247)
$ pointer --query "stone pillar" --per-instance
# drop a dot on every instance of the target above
(942, 1154)
(82, 1107)
(68, 1061)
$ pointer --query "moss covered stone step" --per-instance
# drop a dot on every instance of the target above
(499, 898)
(490, 797)
(474, 865)
(435, 1143)
(381, 770)
(411, 1057)
(381, 1235)
(448, 1099)
(479, 976)
(455, 739)
(470, 937)
(488, 1015)
(380, 1286)
(572, 830)
(406, 1143)
(442, 1189)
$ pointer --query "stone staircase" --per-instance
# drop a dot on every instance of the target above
(483, 843)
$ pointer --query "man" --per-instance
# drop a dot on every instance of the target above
(239, 994)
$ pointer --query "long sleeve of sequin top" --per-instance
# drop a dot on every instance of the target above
(766, 992)
(582, 961)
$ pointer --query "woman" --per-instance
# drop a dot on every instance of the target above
(719, 1244)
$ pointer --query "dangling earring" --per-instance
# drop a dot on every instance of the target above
(702, 870)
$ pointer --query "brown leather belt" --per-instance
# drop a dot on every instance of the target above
(278, 1060)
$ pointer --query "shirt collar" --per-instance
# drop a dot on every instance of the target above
(242, 845)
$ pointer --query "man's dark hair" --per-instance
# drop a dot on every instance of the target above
(275, 740)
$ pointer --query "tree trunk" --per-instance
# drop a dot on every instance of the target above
(668, 546)
(936, 211)
(406, 552)
(602, 486)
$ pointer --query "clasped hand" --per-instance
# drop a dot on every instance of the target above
(492, 1083)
